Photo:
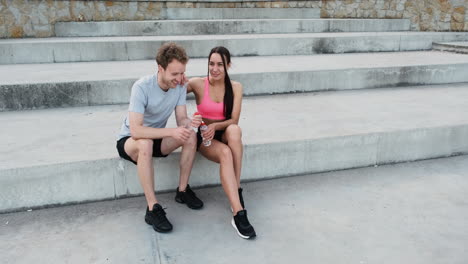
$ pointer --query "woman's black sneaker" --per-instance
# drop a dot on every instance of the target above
(188, 197)
(157, 219)
(241, 198)
(242, 225)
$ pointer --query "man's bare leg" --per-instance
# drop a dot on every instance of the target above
(186, 157)
(141, 150)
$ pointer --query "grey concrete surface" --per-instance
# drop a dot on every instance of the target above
(52, 50)
(64, 161)
(36, 86)
(405, 213)
(226, 26)
(457, 47)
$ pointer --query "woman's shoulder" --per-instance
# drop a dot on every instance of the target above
(196, 83)
(236, 85)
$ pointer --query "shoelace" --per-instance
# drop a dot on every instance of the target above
(160, 215)
(190, 194)
(189, 191)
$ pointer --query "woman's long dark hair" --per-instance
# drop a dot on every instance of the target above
(228, 93)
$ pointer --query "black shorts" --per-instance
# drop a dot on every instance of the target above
(124, 155)
(218, 136)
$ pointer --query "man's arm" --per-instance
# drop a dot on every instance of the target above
(182, 119)
(181, 114)
(138, 131)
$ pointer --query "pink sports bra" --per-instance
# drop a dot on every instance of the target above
(209, 109)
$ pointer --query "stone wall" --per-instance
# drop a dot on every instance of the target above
(425, 15)
(36, 18)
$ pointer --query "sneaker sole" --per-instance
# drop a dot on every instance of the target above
(157, 229)
(239, 233)
(191, 207)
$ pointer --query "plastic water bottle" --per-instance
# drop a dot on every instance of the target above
(195, 129)
(188, 123)
(204, 127)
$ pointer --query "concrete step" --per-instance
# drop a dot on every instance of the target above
(60, 156)
(401, 210)
(238, 13)
(237, 26)
(51, 50)
(457, 47)
(36, 86)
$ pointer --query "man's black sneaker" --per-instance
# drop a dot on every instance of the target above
(242, 225)
(188, 197)
(241, 198)
(157, 219)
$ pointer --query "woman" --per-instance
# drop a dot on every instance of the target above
(219, 102)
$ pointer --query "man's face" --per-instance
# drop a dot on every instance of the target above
(172, 75)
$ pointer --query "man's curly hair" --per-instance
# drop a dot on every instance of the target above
(170, 51)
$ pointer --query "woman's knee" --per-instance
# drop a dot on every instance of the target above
(233, 133)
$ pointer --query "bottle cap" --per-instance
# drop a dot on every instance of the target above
(196, 113)
(203, 123)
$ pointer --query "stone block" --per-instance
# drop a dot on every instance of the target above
(458, 17)
(325, 13)
(456, 26)
(400, 7)
(445, 26)
(17, 32)
(250, 5)
(132, 10)
(28, 29)
(3, 31)
(444, 17)
(390, 14)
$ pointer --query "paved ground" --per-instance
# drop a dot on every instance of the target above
(404, 213)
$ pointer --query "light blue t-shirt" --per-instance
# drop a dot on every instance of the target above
(157, 105)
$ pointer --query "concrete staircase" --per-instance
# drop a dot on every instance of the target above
(457, 47)
(392, 99)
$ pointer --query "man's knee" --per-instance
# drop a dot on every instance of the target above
(145, 147)
(191, 141)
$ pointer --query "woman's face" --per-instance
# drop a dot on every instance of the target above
(216, 67)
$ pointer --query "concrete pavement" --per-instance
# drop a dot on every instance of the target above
(404, 213)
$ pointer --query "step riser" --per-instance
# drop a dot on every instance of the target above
(239, 13)
(12, 53)
(450, 48)
(104, 179)
(168, 28)
(37, 96)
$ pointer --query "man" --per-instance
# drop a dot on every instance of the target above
(144, 134)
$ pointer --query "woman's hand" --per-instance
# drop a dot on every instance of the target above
(209, 133)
